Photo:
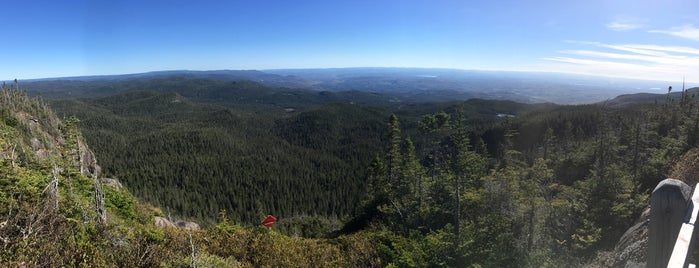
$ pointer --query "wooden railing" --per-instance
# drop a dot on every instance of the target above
(671, 228)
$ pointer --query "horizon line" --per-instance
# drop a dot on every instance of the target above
(335, 68)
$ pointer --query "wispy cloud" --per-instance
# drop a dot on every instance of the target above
(645, 61)
(652, 50)
(623, 25)
(669, 59)
(687, 31)
(681, 50)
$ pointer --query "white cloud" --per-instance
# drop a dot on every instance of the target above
(682, 50)
(687, 31)
(624, 23)
(644, 61)
(635, 49)
(622, 26)
(667, 59)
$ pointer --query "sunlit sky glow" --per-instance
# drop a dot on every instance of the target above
(644, 39)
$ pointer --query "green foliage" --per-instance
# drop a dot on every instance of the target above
(564, 183)
(548, 187)
(9, 120)
(250, 157)
(198, 159)
(203, 259)
(49, 220)
(121, 203)
(398, 251)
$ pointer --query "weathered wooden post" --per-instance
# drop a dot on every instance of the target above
(668, 206)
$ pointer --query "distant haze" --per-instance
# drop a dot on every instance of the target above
(401, 84)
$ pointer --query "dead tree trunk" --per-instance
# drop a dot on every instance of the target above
(99, 201)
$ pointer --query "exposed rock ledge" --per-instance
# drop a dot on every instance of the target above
(165, 223)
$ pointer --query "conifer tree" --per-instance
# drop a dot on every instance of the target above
(413, 188)
(394, 165)
(378, 187)
(393, 156)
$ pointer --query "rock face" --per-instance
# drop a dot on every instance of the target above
(163, 222)
(632, 248)
(188, 225)
(45, 141)
(112, 182)
(87, 161)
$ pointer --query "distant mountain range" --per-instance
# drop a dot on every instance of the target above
(400, 84)
(638, 98)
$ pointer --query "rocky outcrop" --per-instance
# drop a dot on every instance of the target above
(87, 161)
(187, 225)
(45, 139)
(165, 223)
(632, 248)
(112, 182)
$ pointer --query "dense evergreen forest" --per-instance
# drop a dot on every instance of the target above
(58, 211)
(474, 183)
(550, 187)
(197, 159)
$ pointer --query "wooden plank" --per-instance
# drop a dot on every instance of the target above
(683, 244)
(668, 207)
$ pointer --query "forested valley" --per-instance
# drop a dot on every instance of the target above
(454, 184)
(196, 157)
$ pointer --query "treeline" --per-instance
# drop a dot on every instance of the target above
(549, 187)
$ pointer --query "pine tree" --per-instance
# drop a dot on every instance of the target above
(393, 155)
(413, 188)
(378, 186)
(393, 167)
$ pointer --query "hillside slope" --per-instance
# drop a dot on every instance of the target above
(486, 183)
(197, 159)
(58, 210)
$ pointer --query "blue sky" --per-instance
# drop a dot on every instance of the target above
(635, 39)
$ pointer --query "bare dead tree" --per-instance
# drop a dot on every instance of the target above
(192, 263)
(12, 155)
(99, 201)
(52, 187)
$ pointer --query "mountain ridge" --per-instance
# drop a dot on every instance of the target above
(410, 83)
(649, 98)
